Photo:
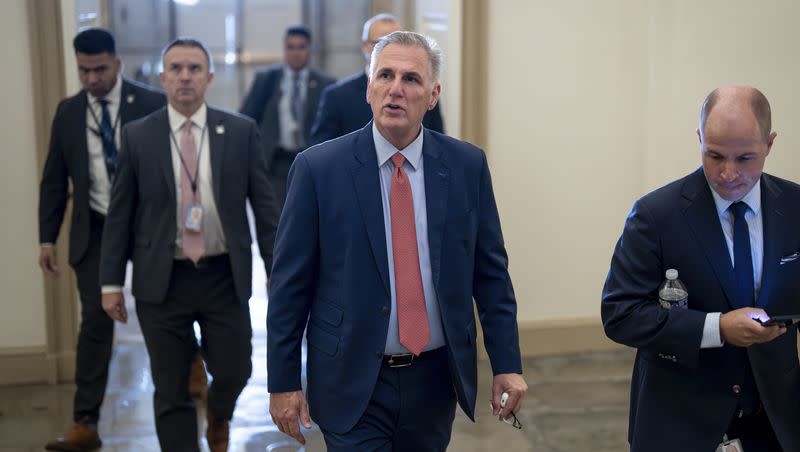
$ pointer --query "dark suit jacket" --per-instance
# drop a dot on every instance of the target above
(331, 267)
(141, 223)
(343, 108)
(681, 396)
(262, 101)
(68, 158)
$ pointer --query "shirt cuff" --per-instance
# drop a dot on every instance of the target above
(711, 337)
(110, 289)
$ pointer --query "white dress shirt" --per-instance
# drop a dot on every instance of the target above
(414, 168)
(755, 225)
(288, 138)
(212, 227)
(99, 184)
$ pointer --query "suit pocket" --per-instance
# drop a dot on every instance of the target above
(327, 312)
(322, 340)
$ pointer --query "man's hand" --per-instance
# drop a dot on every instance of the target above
(114, 305)
(516, 388)
(285, 407)
(740, 328)
(47, 260)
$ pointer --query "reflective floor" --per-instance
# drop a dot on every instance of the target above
(576, 402)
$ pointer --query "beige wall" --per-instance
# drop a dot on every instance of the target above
(22, 309)
(592, 104)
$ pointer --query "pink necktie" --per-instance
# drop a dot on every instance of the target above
(412, 317)
(192, 241)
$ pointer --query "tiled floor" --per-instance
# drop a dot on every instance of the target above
(575, 403)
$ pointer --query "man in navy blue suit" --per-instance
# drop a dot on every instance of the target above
(343, 107)
(710, 373)
(387, 235)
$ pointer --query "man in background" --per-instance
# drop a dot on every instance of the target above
(84, 143)
(178, 210)
(343, 107)
(283, 101)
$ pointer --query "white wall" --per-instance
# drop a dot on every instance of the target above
(592, 104)
(22, 317)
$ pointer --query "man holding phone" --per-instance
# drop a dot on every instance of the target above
(711, 371)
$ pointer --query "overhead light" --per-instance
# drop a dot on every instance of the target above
(186, 2)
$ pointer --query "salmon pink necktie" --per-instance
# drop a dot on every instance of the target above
(412, 317)
(192, 241)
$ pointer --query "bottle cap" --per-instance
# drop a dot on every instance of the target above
(672, 274)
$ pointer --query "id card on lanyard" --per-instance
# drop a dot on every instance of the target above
(193, 217)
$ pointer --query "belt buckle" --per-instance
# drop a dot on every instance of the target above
(405, 360)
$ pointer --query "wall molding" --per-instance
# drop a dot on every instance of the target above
(25, 365)
(550, 337)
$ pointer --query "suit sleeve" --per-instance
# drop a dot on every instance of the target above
(118, 227)
(492, 288)
(253, 105)
(630, 310)
(262, 198)
(54, 186)
(327, 124)
(294, 275)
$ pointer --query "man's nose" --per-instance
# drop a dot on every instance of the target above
(729, 172)
(396, 88)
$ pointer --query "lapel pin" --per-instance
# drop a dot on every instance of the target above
(220, 129)
(131, 98)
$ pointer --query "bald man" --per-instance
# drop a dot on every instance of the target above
(343, 106)
(711, 370)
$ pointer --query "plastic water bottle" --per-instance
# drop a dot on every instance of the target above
(672, 292)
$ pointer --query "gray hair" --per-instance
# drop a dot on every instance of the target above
(383, 17)
(409, 39)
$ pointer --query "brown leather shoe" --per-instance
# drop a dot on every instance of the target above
(80, 438)
(217, 434)
(198, 381)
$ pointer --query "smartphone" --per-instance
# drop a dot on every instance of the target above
(785, 320)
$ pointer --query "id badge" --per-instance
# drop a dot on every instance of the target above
(733, 445)
(194, 217)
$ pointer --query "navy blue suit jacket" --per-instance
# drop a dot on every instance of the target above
(330, 274)
(343, 108)
(682, 397)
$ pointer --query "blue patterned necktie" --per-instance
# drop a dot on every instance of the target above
(107, 137)
(742, 257)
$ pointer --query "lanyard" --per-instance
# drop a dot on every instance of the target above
(99, 126)
(193, 181)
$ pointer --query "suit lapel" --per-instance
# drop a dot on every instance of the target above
(775, 228)
(164, 150)
(216, 146)
(126, 103)
(80, 127)
(437, 180)
(366, 179)
(701, 215)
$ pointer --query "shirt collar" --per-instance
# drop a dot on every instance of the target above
(385, 149)
(288, 73)
(112, 96)
(176, 119)
(752, 199)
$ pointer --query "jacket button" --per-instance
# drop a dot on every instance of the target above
(385, 310)
(736, 389)
(379, 354)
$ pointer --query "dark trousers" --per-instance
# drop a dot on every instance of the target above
(755, 432)
(412, 409)
(96, 333)
(205, 294)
